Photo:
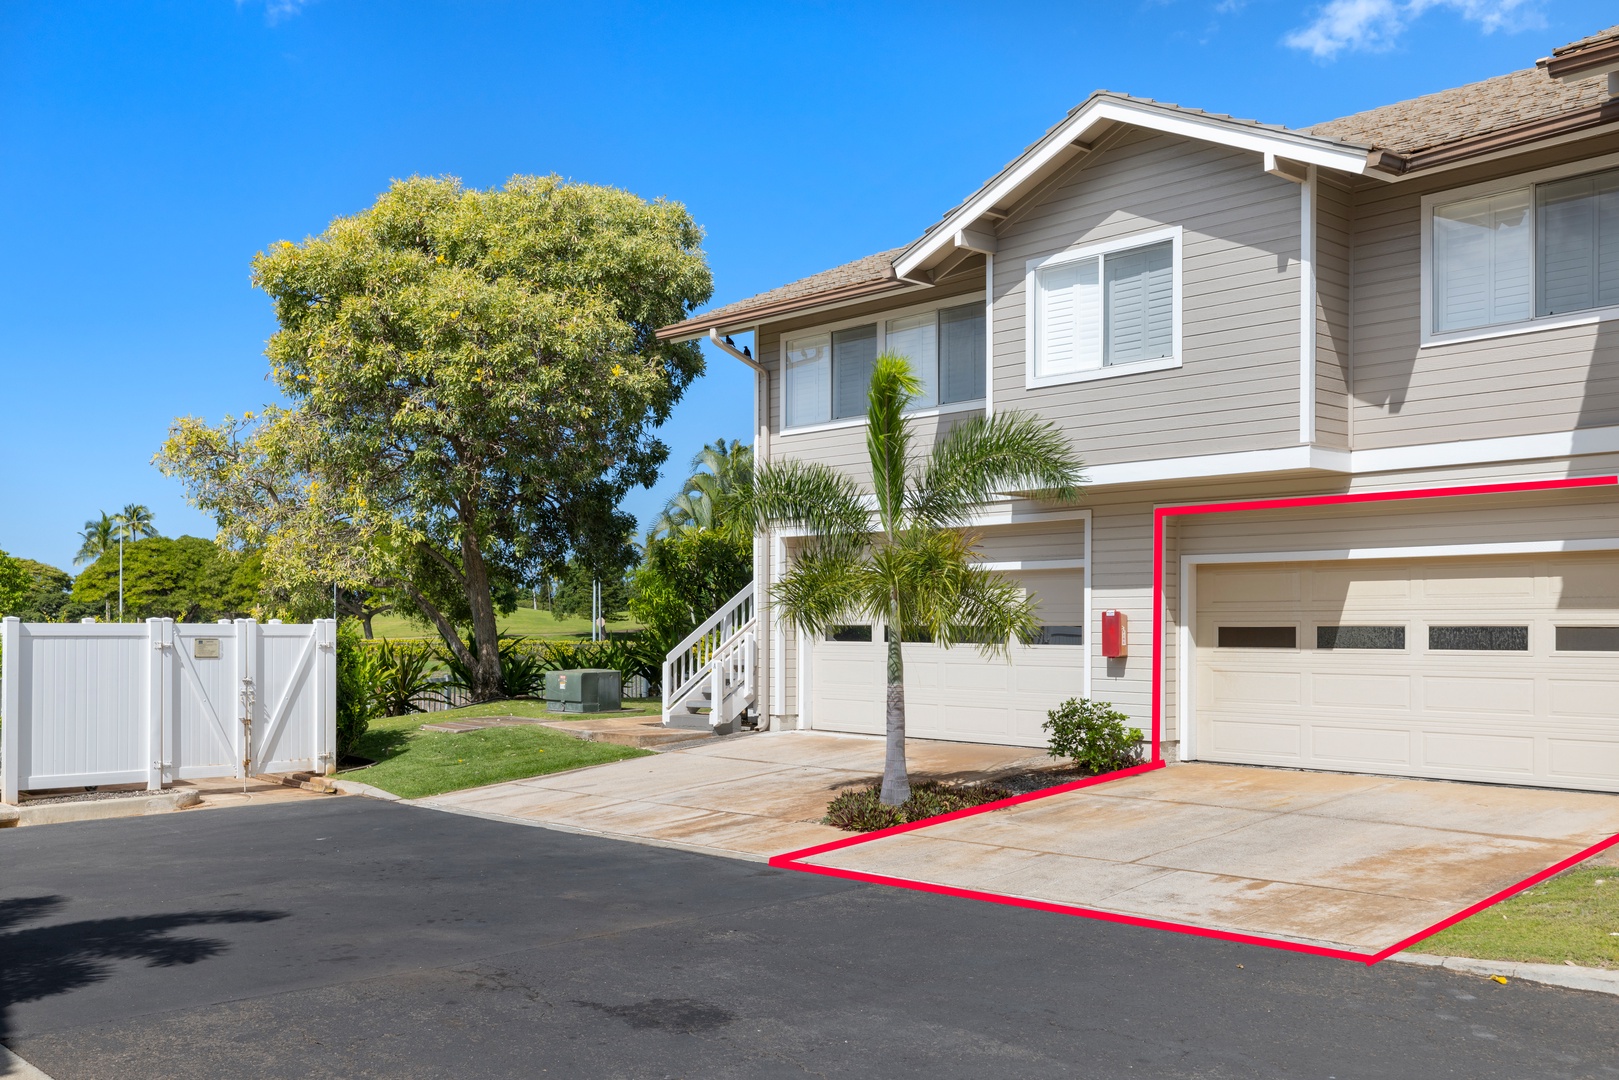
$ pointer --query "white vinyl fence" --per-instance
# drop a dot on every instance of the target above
(89, 704)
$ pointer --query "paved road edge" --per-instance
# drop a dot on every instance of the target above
(13, 1066)
(1596, 980)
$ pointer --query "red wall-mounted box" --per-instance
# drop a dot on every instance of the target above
(1115, 634)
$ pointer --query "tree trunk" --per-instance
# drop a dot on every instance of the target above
(896, 781)
(486, 671)
(365, 624)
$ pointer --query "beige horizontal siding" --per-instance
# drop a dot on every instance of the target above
(1048, 540)
(1541, 381)
(1333, 246)
(1237, 388)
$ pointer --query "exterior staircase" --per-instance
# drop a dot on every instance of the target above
(709, 679)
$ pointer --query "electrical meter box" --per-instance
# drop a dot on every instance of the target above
(583, 690)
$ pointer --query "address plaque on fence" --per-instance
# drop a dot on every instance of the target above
(205, 648)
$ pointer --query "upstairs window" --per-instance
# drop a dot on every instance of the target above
(826, 375)
(1533, 252)
(1103, 310)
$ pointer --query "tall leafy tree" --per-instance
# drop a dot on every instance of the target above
(475, 378)
(186, 578)
(46, 596)
(16, 584)
(684, 579)
(902, 553)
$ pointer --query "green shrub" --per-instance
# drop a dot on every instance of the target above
(402, 676)
(861, 811)
(357, 679)
(1093, 735)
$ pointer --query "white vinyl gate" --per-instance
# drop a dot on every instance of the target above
(90, 704)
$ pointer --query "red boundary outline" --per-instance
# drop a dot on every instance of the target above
(792, 860)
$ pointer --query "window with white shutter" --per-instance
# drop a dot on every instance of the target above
(1111, 309)
(1510, 257)
(1578, 243)
(1481, 261)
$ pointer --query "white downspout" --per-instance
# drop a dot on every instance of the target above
(766, 641)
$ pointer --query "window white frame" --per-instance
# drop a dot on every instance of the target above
(1031, 300)
(881, 319)
(1430, 336)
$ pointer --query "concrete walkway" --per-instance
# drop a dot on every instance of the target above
(748, 796)
(1334, 859)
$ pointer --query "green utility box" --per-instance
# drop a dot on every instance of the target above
(584, 690)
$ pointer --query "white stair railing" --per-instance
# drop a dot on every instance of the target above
(719, 654)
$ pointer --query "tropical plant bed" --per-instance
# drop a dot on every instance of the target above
(861, 810)
(1571, 918)
(413, 763)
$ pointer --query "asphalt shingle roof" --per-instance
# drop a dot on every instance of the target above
(1405, 128)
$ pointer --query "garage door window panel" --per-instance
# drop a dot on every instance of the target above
(856, 632)
(1390, 638)
(1257, 637)
(1596, 639)
(1478, 638)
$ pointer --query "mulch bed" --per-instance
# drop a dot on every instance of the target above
(86, 796)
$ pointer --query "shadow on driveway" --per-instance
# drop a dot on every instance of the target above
(43, 961)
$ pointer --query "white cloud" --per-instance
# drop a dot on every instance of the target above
(1376, 25)
(277, 10)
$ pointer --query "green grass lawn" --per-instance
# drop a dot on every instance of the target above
(524, 622)
(412, 763)
(1574, 916)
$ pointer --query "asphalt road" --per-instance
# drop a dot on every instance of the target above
(351, 938)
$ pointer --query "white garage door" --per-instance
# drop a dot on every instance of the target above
(958, 693)
(1477, 669)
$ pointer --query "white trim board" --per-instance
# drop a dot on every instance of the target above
(1307, 306)
(1187, 587)
(1106, 109)
(1556, 444)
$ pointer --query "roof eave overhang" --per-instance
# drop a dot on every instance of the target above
(1089, 121)
(700, 325)
(1576, 124)
(1583, 63)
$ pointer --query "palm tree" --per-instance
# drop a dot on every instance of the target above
(910, 564)
(100, 536)
(134, 522)
(720, 472)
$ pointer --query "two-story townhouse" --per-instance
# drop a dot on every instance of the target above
(1349, 402)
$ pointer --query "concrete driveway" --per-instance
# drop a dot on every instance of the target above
(1332, 859)
(750, 796)
(1357, 863)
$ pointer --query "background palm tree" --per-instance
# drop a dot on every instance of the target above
(133, 522)
(100, 535)
(721, 471)
(911, 564)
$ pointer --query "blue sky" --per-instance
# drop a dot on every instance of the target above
(149, 150)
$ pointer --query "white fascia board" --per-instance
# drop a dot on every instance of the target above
(1300, 148)
(1556, 444)
(1241, 463)
(1550, 446)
